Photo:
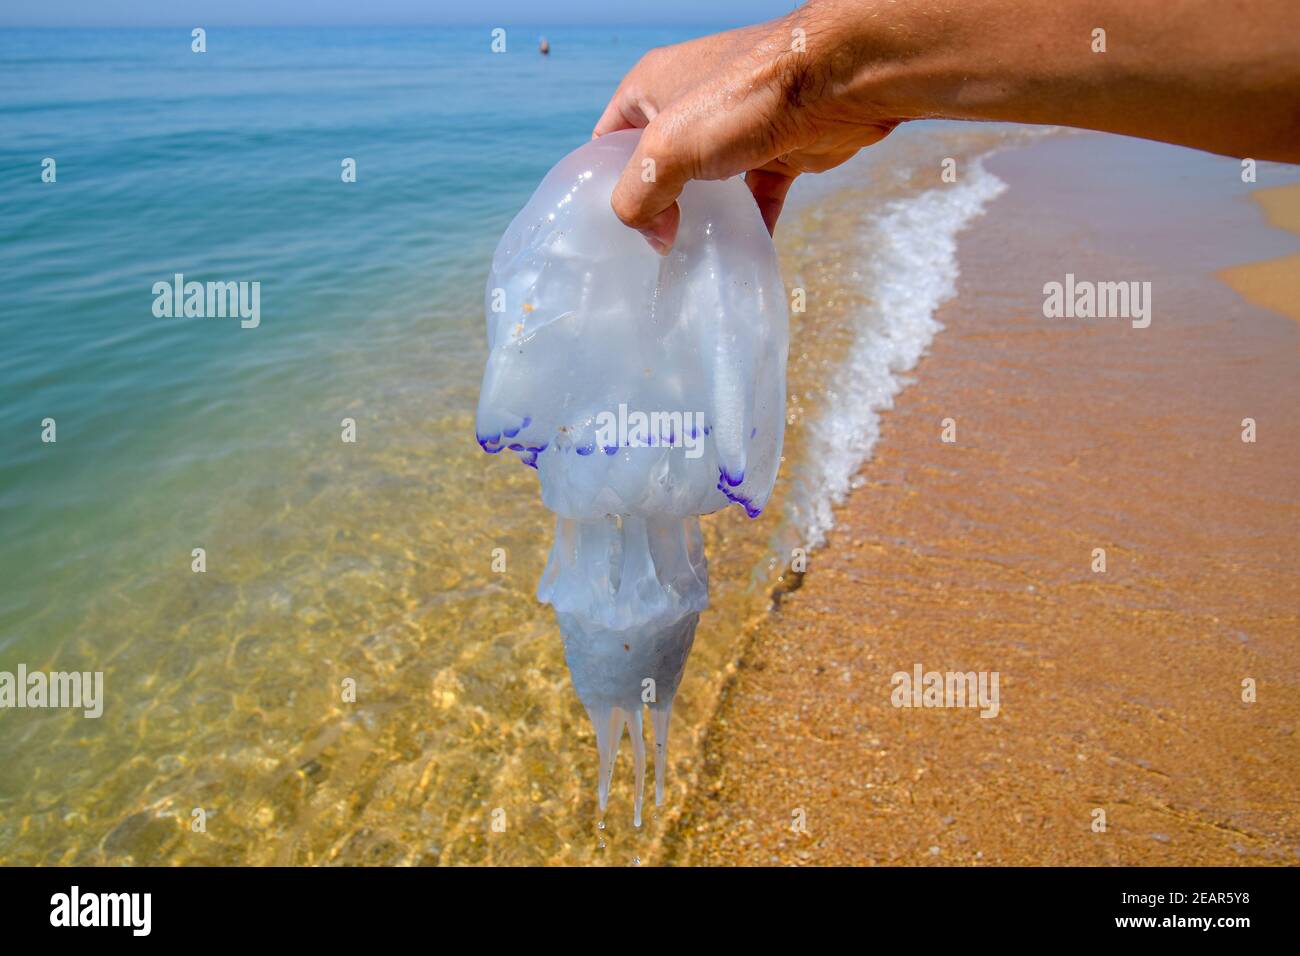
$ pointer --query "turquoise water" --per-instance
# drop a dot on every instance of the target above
(327, 562)
(226, 166)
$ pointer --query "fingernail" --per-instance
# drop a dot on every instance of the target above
(660, 232)
(657, 244)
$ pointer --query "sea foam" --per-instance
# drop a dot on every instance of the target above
(910, 267)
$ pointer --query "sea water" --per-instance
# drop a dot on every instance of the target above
(361, 672)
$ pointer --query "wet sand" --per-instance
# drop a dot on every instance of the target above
(1119, 691)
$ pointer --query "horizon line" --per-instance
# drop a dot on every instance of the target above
(373, 24)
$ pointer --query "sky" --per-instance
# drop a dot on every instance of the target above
(143, 13)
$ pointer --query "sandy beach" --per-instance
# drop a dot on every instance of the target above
(1120, 691)
(1273, 283)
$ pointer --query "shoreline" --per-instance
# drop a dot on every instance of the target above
(1273, 283)
(1120, 690)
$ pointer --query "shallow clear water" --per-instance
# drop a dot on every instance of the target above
(329, 561)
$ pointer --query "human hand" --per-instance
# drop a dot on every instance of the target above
(767, 101)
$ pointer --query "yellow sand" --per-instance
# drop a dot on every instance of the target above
(1121, 691)
(1275, 283)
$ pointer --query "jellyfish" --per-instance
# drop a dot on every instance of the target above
(645, 391)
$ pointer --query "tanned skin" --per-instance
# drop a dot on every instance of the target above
(803, 93)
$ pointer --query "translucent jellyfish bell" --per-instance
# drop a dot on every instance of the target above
(646, 391)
